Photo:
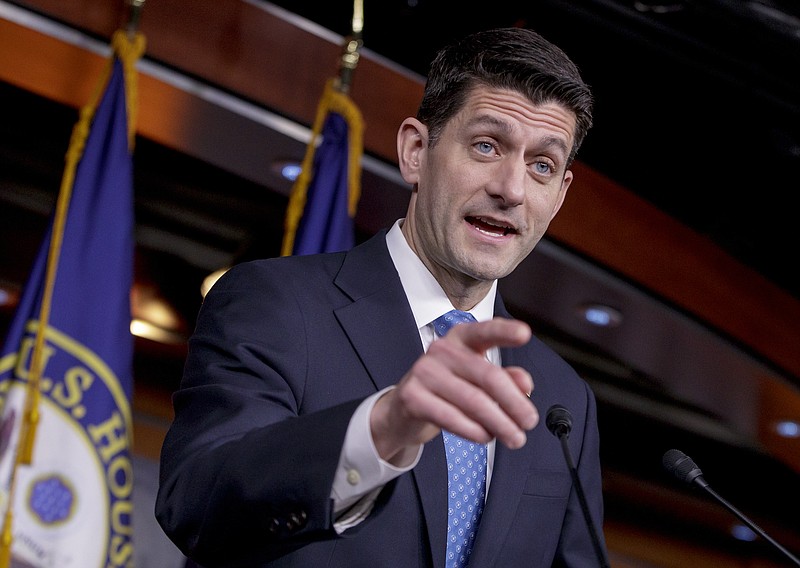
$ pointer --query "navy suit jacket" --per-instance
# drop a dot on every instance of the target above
(284, 351)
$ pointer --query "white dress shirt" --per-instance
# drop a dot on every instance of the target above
(362, 473)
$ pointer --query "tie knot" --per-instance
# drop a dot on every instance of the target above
(443, 323)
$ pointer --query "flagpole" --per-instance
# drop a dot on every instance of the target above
(352, 46)
(135, 8)
(347, 66)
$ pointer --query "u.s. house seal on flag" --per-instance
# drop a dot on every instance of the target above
(72, 506)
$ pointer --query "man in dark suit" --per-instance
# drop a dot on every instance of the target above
(319, 391)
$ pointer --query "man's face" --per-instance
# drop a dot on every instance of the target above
(488, 189)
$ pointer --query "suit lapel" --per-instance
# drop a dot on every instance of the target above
(505, 490)
(382, 330)
(379, 321)
(430, 475)
(505, 493)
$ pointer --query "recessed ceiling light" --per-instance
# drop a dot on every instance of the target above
(8, 297)
(741, 532)
(287, 169)
(600, 315)
(147, 330)
(788, 428)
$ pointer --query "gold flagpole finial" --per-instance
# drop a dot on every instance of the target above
(350, 52)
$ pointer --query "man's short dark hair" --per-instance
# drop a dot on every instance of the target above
(517, 59)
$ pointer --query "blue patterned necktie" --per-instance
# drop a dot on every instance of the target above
(466, 475)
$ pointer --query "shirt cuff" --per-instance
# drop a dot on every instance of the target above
(361, 472)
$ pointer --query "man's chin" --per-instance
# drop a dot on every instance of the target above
(489, 271)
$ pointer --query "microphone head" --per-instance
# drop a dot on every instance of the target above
(559, 420)
(683, 467)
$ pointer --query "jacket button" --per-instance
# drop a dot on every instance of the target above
(296, 520)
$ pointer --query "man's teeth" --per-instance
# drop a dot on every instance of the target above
(491, 228)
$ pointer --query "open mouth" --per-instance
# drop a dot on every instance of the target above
(491, 227)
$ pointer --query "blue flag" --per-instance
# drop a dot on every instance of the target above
(323, 200)
(66, 366)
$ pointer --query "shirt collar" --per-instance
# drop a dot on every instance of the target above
(426, 297)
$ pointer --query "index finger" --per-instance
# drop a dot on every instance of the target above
(498, 332)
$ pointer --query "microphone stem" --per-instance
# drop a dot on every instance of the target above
(751, 524)
(576, 483)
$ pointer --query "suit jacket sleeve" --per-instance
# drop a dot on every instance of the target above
(248, 463)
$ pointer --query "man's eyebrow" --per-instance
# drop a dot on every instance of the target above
(506, 127)
(549, 141)
(489, 120)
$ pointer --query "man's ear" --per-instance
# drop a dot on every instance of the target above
(412, 139)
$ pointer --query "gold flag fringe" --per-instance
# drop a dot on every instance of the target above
(333, 100)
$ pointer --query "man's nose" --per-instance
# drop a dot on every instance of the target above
(508, 182)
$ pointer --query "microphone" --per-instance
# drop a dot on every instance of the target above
(683, 467)
(559, 422)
